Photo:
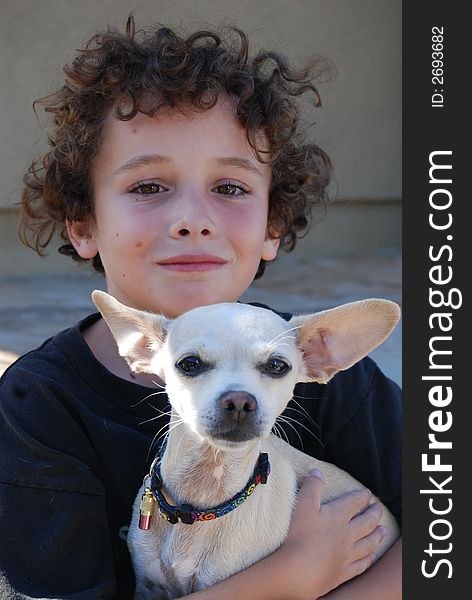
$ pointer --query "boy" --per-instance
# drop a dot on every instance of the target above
(176, 168)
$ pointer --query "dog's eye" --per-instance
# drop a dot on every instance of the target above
(277, 366)
(190, 365)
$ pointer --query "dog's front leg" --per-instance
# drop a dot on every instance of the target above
(147, 590)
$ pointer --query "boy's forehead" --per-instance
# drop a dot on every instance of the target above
(220, 120)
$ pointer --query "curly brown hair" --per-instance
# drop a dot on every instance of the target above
(122, 72)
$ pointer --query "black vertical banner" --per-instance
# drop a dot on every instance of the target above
(437, 334)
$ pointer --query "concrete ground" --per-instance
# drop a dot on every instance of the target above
(34, 307)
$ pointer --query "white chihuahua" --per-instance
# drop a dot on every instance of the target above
(229, 371)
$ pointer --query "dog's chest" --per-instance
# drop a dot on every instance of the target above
(184, 552)
(197, 556)
(187, 558)
(166, 561)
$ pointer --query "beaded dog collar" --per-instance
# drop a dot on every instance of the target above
(187, 513)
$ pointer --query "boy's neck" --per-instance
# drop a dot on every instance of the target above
(103, 346)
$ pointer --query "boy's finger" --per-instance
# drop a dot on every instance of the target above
(366, 522)
(359, 566)
(370, 543)
(310, 490)
(352, 503)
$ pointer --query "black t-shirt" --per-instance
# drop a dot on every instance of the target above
(76, 441)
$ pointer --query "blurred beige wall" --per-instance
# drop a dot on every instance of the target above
(359, 126)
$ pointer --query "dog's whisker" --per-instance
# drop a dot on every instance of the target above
(163, 391)
(175, 423)
(303, 414)
(165, 437)
(284, 433)
(163, 413)
(278, 345)
(288, 419)
(285, 332)
(300, 413)
(284, 420)
(163, 387)
(306, 413)
(146, 397)
(284, 337)
(154, 440)
(281, 342)
(275, 430)
(165, 434)
(138, 403)
(308, 397)
(151, 446)
(150, 420)
(166, 426)
(281, 433)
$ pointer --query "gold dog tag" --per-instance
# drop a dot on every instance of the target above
(146, 509)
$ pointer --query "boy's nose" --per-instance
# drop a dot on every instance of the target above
(188, 231)
(192, 220)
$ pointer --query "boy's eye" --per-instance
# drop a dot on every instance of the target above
(228, 188)
(147, 187)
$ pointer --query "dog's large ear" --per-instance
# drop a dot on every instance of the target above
(138, 334)
(335, 339)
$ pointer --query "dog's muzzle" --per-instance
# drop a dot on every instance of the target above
(237, 417)
(237, 405)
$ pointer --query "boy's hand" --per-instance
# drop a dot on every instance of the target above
(330, 543)
(326, 545)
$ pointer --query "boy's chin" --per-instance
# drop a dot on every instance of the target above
(179, 308)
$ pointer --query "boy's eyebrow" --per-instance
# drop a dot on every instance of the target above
(141, 161)
(240, 162)
(151, 159)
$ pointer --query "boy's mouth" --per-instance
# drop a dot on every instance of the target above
(192, 262)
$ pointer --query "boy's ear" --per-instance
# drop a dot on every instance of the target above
(334, 340)
(270, 246)
(139, 335)
(82, 237)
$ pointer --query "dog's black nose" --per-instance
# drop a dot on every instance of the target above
(237, 404)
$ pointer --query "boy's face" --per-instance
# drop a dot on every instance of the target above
(181, 205)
